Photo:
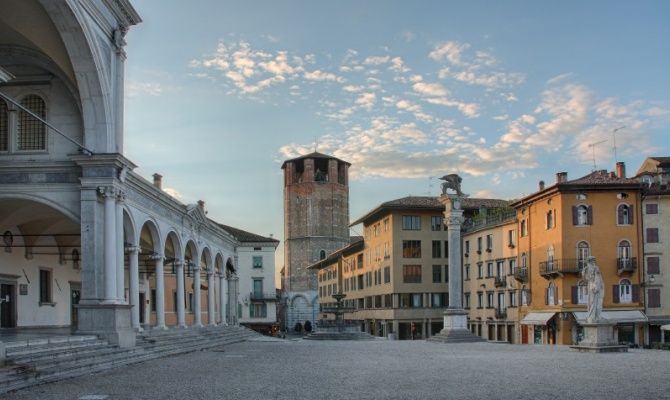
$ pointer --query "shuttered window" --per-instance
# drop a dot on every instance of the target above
(653, 265)
(652, 235)
(582, 215)
(654, 297)
(652, 208)
(624, 214)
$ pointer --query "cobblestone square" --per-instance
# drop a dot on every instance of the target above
(266, 368)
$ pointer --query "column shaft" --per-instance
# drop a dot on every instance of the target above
(197, 321)
(160, 294)
(120, 259)
(181, 320)
(110, 246)
(134, 283)
(455, 282)
(222, 299)
(211, 314)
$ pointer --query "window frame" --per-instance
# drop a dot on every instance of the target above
(48, 291)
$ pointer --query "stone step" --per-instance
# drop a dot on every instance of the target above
(61, 354)
(47, 344)
(54, 349)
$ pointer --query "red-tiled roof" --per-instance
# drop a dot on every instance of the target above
(314, 154)
(247, 237)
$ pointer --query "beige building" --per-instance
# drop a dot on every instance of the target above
(396, 282)
(653, 173)
(490, 292)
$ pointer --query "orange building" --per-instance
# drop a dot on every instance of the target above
(559, 228)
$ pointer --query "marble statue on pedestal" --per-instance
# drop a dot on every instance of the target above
(595, 288)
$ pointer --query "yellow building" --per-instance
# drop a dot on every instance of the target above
(559, 227)
(490, 292)
(396, 282)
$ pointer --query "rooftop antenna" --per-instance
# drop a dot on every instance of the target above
(593, 149)
(614, 131)
(316, 143)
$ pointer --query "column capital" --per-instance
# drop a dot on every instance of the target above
(105, 192)
(132, 249)
(120, 196)
(156, 257)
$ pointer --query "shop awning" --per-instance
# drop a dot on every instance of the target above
(665, 327)
(658, 319)
(615, 316)
(537, 318)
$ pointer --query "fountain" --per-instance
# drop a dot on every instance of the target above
(338, 329)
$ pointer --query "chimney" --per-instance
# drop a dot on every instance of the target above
(561, 177)
(201, 204)
(158, 181)
(540, 185)
(621, 169)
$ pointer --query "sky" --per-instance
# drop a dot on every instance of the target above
(220, 93)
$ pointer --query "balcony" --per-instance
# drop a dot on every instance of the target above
(521, 274)
(501, 313)
(556, 267)
(626, 265)
(260, 296)
(500, 281)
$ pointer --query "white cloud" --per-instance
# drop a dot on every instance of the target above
(366, 100)
(376, 60)
(318, 75)
(137, 89)
(430, 89)
(352, 88)
(450, 50)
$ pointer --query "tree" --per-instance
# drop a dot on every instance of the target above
(298, 327)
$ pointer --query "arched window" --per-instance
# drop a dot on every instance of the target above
(524, 228)
(625, 291)
(582, 215)
(31, 133)
(582, 292)
(551, 294)
(4, 126)
(322, 254)
(623, 251)
(550, 219)
(583, 254)
(550, 258)
(624, 214)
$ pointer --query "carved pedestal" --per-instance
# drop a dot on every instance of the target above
(455, 329)
(110, 322)
(599, 338)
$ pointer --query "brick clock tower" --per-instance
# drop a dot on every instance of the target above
(316, 223)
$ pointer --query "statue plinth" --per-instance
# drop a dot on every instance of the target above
(455, 328)
(599, 338)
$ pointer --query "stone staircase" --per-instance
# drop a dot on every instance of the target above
(49, 360)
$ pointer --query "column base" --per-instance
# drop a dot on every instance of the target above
(159, 328)
(456, 329)
(599, 338)
(110, 322)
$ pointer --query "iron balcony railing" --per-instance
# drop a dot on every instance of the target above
(628, 264)
(501, 313)
(521, 274)
(260, 296)
(500, 281)
(561, 266)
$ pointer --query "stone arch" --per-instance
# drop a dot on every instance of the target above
(230, 267)
(206, 259)
(150, 237)
(297, 299)
(172, 246)
(89, 70)
(129, 229)
(218, 263)
(42, 200)
(191, 253)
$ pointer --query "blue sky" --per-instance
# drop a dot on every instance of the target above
(219, 93)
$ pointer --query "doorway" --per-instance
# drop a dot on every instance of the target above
(7, 305)
(75, 296)
(141, 306)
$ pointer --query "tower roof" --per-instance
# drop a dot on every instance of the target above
(314, 154)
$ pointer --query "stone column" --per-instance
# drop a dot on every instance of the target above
(197, 321)
(134, 283)
(108, 193)
(455, 317)
(160, 292)
(120, 259)
(211, 314)
(222, 297)
(181, 312)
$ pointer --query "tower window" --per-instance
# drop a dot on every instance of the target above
(31, 132)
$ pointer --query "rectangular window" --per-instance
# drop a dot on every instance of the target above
(258, 310)
(512, 298)
(387, 274)
(174, 301)
(386, 225)
(511, 238)
(480, 270)
(467, 247)
(153, 298)
(479, 245)
(654, 297)
(258, 261)
(258, 288)
(651, 208)
(500, 269)
(489, 243)
(360, 261)
(446, 273)
(466, 272)
(388, 301)
(489, 300)
(437, 274)
(653, 265)
(411, 273)
(387, 251)
(437, 249)
(411, 248)
(411, 222)
(489, 270)
(523, 228)
(512, 266)
(480, 300)
(360, 282)
(652, 235)
(45, 286)
(466, 300)
(436, 223)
